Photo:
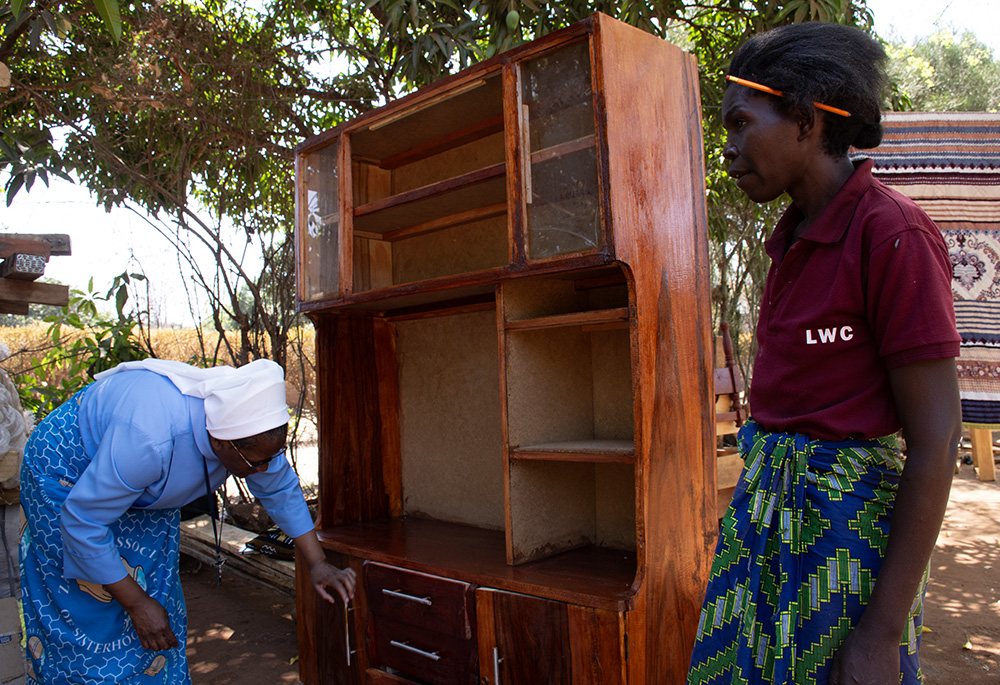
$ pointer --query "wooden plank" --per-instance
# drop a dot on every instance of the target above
(597, 646)
(388, 401)
(12, 243)
(728, 381)
(34, 292)
(595, 451)
(305, 625)
(440, 223)
(593, 317)
(592, 576)
(658, 223)
(234, 540)
(10, 307)
(466, 305)
(462, 136)
(729, 469)
(982, 453)
(486, 636)
(566, 148)
(433, 189)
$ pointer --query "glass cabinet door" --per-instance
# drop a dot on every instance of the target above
(561, 188)
(319, 223)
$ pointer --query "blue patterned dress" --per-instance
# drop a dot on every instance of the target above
(74, 631)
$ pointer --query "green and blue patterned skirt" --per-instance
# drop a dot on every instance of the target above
(797, 557)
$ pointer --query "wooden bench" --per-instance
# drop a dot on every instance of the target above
(198, 541)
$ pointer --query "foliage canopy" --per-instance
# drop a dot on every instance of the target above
(191, 109)
(947, 72)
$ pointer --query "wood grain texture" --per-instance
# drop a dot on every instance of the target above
(355, 414)
(588, 608)
(542, 641)
(55, 244)
(434, 602)
(594, 577)
(657, 204)
(322, 634)
(36, 293)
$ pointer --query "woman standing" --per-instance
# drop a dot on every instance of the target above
(102, 483)
(822, 556)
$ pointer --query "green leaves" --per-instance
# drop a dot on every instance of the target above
(108, 10)
(84, 341)
(945, 72)
(25, 161)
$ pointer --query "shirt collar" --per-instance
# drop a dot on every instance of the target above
(196, 410)
(835, 218)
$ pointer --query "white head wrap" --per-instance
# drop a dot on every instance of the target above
(239, 402)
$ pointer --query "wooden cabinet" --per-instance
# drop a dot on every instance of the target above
(525, 639)
(508, 275)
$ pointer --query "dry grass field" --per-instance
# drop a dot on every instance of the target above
(27, 343)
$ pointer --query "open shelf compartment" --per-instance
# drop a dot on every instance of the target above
(429, 189)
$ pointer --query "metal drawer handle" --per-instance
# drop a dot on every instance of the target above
(347, 632)
(433, 656)
(426, 601)
(497, 659)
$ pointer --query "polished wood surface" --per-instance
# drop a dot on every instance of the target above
(361, 430)
(596, 614)
(525, 639)
(659, 230)
(434, 602)
(422, 653)
(590, 577)
(327, 633)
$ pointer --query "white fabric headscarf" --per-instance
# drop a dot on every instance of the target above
(239, 402)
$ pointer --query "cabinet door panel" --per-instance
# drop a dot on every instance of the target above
(526, 640)
(562, 196)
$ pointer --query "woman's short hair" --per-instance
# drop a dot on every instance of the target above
(816, 61)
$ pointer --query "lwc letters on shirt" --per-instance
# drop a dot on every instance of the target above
(828, 335)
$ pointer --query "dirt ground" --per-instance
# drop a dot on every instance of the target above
(243, 633)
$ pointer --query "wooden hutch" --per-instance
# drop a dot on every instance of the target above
(508, 275)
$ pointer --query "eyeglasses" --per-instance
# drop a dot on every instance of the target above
(780, 94)
(260, 466)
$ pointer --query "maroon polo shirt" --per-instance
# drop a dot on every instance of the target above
(865, 289)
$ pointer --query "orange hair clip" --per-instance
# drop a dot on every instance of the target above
(772, 91)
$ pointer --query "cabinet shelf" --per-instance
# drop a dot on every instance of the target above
(597, 577)
(595, 451)
(603, 318)
(482, 188)
(562, 149)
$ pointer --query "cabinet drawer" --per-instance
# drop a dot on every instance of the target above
(425, 601)
(423, 654)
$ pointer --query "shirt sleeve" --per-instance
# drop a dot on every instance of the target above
(279, 490)
(910, 300)
(127, 461)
